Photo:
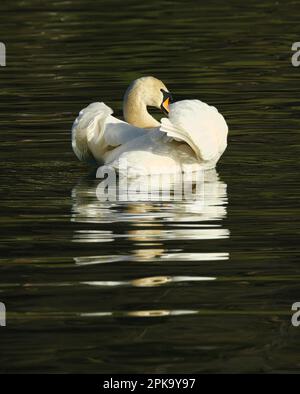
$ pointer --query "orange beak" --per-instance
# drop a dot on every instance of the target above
(166, 105)
(167, 99)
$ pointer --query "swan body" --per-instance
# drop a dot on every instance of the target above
(193, 137)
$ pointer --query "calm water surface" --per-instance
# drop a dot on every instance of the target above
(150, 286)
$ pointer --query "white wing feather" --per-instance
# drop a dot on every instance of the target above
(88, 128)
(198, 124)
(95, 130)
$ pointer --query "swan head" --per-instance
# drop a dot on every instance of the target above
(142, 93)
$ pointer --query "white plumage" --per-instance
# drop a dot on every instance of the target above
(193, 137)
(200, 125)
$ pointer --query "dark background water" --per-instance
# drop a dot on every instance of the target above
(149, 287)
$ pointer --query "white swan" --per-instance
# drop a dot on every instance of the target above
(193, 137)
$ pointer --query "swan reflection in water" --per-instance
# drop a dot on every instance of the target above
(208, 205)
(148, 227)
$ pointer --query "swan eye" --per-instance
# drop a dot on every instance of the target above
(167, 99)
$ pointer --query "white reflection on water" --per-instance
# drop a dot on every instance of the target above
(150, 281)
(148, 313)
(143, 255)
(148, 226)
(210, 206)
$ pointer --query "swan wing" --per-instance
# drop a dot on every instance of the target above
(95, 131)
(198, 124)
(87, 130)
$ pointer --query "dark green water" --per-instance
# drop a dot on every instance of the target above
(124, 287)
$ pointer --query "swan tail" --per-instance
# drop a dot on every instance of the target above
(198, 124)
(88, 130)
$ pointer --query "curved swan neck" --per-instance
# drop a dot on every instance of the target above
(135, 108)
